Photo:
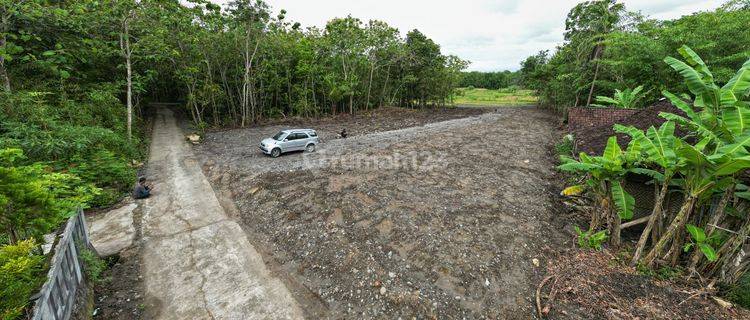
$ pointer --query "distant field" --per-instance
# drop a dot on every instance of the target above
(488, 97)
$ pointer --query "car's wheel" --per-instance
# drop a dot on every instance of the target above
(275, 153)
(310, 147)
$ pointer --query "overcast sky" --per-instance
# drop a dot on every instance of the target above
(492, 34)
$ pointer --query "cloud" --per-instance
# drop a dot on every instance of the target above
(492, 34)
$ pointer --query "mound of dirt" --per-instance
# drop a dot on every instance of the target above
(592, 285)
(594, 140)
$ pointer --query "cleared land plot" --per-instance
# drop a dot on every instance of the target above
(452, 231)
(488, 97)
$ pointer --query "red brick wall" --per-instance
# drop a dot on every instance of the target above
(580, 118)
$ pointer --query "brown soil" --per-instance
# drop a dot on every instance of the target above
(583, 284)
(594, 140)
(120, 294)
(454, 236)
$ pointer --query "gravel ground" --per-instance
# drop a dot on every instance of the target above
(450, 219)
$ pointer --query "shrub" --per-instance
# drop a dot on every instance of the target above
(33, 200)
(590, 239)
(110, 172)
(94, 266)
(739, 293)
(21, 275)
(565, 147)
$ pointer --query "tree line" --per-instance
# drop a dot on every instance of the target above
(489, 80)
(609, 48)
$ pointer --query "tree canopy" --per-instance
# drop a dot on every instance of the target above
(609, 48)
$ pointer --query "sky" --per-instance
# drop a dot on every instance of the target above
(494, 35)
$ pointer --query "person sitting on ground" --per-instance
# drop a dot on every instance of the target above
(141, 190)
(343, 133)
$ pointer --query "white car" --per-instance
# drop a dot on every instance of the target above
(290, 140)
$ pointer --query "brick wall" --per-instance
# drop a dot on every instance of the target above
(580, 118)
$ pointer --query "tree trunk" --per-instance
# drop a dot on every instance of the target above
(12, 236)
(726, 252)
(596, 74)
(384, 95)
(655, 214)
(369, 86)
(615, 223)
(717, 217)
(3, 70)
(679, 221)
(128, 63)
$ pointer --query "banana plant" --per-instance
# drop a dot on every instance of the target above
(719, 119)
(604, 176)
(658, 147)
(702, 175)
(723, 113)
(701, 242)
(622, 99)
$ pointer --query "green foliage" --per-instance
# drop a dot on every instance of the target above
(627, 99)
(565, 147)
(590, 239)
(34, 200)
(21, 274)
(662, 273)
(604, 174)
(488, 80)
(104, 168)
(701, 241)
(739, 292)
(94, 266)
(633, 49)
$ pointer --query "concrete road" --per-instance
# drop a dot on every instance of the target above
(198, 263)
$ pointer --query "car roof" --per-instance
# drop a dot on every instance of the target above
(297, 130)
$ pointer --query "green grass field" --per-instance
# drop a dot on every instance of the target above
(488, 97)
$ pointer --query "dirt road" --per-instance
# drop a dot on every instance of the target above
(198, 264)
(450, 219)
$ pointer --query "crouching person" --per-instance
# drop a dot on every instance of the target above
(141, 190)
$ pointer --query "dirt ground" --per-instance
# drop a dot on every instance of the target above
(450, 219)
(120, 294)
(583, 284)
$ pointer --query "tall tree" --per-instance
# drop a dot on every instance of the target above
(587, 24)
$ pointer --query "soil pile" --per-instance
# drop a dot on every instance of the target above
(594, 140)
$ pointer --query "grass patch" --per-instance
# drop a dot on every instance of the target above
(510, 96)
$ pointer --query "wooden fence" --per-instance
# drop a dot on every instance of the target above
(65, 276)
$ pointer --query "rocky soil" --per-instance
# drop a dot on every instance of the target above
(451, 219)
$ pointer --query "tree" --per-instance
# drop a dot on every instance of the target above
(588, 23)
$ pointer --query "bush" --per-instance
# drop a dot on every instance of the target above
(94, 266)
(739, 293)
(565, 147)
(509, 89)
(21, 275)
(111, 173)
(81, 133)
(590, 239)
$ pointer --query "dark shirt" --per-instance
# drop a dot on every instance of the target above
(140, 191)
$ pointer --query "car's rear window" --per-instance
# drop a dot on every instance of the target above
(313, 134)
